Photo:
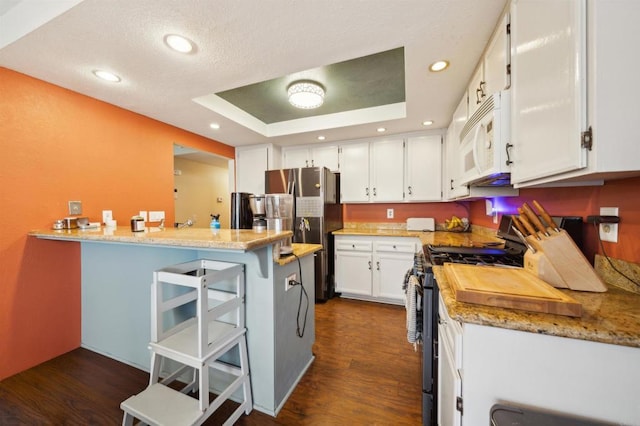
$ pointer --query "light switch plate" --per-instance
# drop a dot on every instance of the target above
(75, 207)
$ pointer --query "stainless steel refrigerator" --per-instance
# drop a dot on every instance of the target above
(317, 212)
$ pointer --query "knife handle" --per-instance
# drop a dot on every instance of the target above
(533, 217)
(519, 226)
(546, 216)
(525, 221)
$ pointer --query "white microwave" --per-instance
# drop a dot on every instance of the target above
(484, 143)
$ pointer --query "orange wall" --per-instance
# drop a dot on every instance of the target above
(574, 201)
(57, 146)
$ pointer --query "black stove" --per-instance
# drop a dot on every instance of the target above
(511, 255)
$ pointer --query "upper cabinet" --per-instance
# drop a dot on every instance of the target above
(392, 170)
(251, 163)
(423, 168)
(493, 71)
(574, 90)
(318, 156)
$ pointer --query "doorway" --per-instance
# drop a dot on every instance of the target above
(202, 186)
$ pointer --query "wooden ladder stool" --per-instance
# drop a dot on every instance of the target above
(197, 330)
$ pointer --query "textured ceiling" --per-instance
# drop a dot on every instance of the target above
(245, 43)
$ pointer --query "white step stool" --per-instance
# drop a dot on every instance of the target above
(195, 339)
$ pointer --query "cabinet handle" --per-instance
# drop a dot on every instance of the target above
(508, 147)
(374, 192)
(306, 163)
(377, 266)
(410, 191)
(451, 184)
(369, 265)
(312, 163)
(367, 191)
(478, 95)
(394, 247)
(482, 85)
(353, 246)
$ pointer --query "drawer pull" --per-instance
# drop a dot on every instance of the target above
(378, 266)
(369, 265)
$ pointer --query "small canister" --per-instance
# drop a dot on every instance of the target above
(137, 224)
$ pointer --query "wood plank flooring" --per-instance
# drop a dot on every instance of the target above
(365, 373)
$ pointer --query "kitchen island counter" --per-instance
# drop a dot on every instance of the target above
(117, 268)
(232, 239)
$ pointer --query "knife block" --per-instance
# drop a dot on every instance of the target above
(563, 262)
(539, 265)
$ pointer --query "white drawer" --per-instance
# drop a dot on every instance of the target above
(352, 245)
(395, 247)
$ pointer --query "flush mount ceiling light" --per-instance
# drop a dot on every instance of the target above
(106, 75)
(381, 129)
(321, 138)
(305, 94)
(427, 123)
(179, 43)
(438, 66)
(214, 126)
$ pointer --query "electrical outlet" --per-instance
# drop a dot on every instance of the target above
(75, 207)
(290, 277)
(106, 215)
(389, 213)
(609, 231)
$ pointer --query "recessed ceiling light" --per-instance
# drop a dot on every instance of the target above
(321, 138)
(438, 66)
(214, 126)
(179, 43)
(382, 129)
(427, 123)
(106, 75)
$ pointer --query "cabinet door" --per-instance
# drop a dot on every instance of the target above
(354, 173)
(387, 171)
(496, 59)
(325, 156)
(353, 272)
(453, 171)
(423, 181)
(390, 269)
(294, 158)
(475, 90)
(548, 110)
(251, 163)
(449, 384)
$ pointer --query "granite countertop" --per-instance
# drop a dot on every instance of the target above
(300, 250)
(438, 238)
(224, 239)
(611, 317)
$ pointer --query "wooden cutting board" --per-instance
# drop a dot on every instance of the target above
(508, 288)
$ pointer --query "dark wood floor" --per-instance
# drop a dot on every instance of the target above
(365, 373)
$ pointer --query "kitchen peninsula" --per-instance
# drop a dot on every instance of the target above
(117, 267)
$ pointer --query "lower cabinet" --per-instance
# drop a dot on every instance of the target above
(479, 366)
(373, 268)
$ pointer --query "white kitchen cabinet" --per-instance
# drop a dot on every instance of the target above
(453, 166)
(387, 171)
(354, 173)
(492, 73)
(372, 171)
(423, 168)
(574, 99)
(449, 365)
(476, 89)
(373, 268)
(251, 163)
(490, 365)
(497, 58)
(321, 156)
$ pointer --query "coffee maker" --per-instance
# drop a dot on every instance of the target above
(241, 215)
(257, 204)
(280, 217)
